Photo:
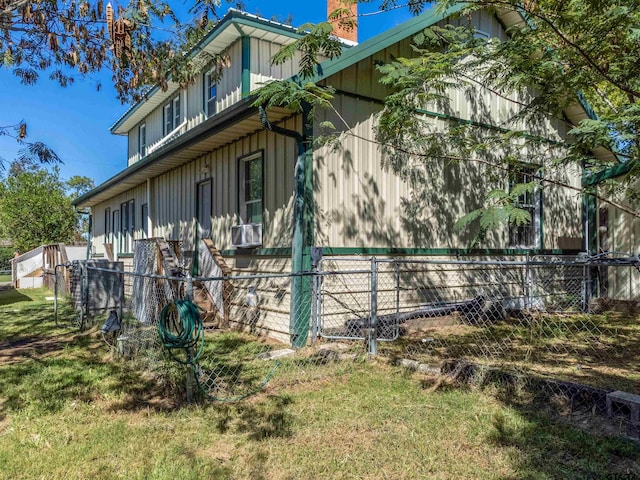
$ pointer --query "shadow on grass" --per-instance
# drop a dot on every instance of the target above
(266, 418)
(10, 296)
(546, 448)
(555, 432)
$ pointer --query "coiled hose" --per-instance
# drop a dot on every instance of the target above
(187, 333)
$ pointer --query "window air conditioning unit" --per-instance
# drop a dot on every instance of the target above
(247, 235)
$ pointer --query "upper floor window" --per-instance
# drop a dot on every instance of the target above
(251, 188)
(211, 93)
(172, 115)
(142, 140)
(527, 234)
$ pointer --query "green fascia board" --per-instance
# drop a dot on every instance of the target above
(237, 112)
(365, 49)
(444, 251)
(584, 103)
(608, 173)
(246, 66)
(385, 251)
(232, 17)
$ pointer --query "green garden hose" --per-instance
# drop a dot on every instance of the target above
(187, 333)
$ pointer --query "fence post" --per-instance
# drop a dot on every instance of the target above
(397, 268)
(84, 294)
(55, 294)
(527, 283)
(316, 262)
(372, 331)
(586, 288)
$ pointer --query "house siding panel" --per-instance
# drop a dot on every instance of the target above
(173, 194)
(230, 85)
(138, 195)
(229, 92)
(361, 203)
(262, 69)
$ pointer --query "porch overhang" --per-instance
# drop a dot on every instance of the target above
(230, 125)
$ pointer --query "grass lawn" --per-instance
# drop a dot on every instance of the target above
(5, 278)
(70, 410)
(601, 350)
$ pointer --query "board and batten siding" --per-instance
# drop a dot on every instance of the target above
(362, 203)
(173, 194)
(138, 195)
(262, 68)
(228, 92)
(619, 231)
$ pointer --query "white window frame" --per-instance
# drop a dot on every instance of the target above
(209, 100)
(142, 140)
(242, 165)
(127, 225)
(172, 114)
(534, 208)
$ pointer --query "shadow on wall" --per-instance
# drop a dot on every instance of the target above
(420, 215)
(364, 202)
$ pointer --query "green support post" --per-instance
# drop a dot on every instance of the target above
(302, 235)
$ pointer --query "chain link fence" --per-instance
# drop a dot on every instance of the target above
(561, 329)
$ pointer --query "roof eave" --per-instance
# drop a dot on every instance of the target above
(235, 113)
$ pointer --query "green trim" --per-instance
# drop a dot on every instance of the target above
(608, 173)
(204, 95)
(258, 252)
(584, 103)
(592, 237)
(443, 251)
(246, 65)
(125, 255)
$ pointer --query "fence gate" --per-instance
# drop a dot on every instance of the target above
(356, 298)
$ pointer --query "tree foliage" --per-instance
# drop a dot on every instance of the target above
(35, 208)
(561, 54)
(143, 42)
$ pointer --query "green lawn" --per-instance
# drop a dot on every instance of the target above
(70, 410)
(5, 278)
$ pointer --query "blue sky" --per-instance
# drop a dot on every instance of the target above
(75, 121)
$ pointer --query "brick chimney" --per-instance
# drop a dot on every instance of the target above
(346, 34)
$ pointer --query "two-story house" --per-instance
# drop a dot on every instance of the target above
(201, 162)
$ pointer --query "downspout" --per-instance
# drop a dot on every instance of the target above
(299, 309)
